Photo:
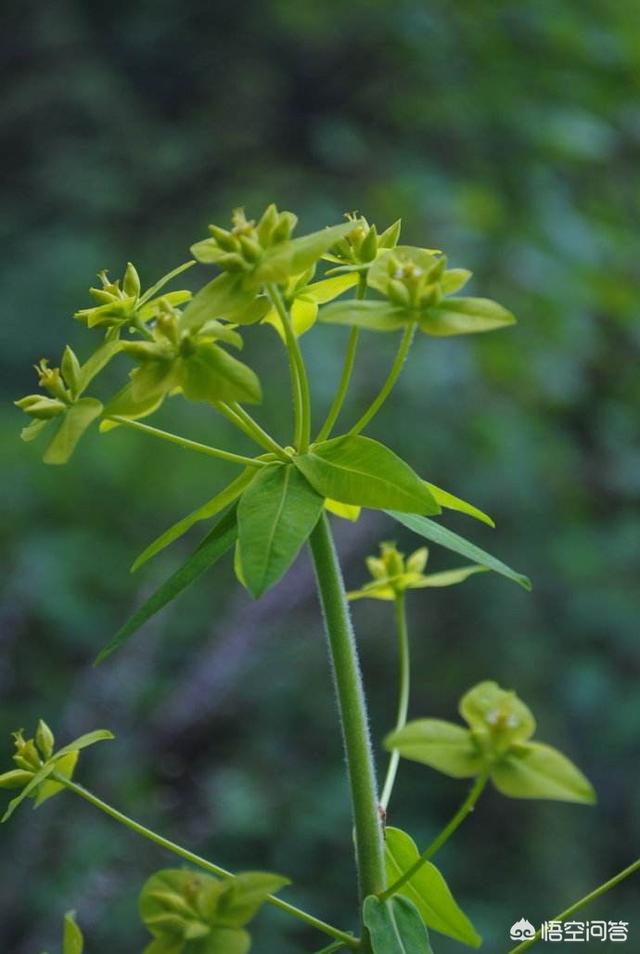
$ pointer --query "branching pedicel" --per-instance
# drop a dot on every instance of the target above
(180, 344)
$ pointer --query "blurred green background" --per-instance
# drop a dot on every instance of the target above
(507, 134)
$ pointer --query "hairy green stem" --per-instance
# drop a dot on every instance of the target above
(347, 371)
(302, 395)
(186, 443)
(387, 387)
(465, 809)
(347, 939)
(583, 902)
(404, 662)
(353, 713)
(241, 419)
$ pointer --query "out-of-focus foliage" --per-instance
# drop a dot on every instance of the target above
(506, 133)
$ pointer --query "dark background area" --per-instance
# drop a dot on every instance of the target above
(507, 134)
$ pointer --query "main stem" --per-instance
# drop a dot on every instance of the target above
(403, 696)
(353, 714)
(465, 809)
(347, 939)
(583, 902)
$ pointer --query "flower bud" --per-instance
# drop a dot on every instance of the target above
(267, 224)
(398, 293)
(40, 407)
(251, 249)
(392, 558)
(44, 739)
(369, 247)
(286, 224)
(71, 369)
(225, 239)
(232, 261)
(131, 281)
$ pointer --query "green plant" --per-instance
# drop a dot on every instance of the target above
(178, 343)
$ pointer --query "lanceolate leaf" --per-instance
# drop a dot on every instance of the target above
(452, 541)
(451, 502)
(276, 514)
(535, 770)
(214, 546)
(357, 470)
(207, 511)
(427, 889)
(395, 927)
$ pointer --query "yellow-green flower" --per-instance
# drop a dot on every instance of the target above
(36, 761)
(393, 574)
(121, 304)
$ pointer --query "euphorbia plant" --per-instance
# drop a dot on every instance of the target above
(182, 344)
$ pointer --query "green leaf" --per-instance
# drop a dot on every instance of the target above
(129, 403)
(395, 927)
(244, 895)
(358, 470)
(84, 741)
(72, 426)
(444, 746)
(212, 374)
(373, 315)
(293, 257)
(454, 279)
(72, 940)
(447, 577)
(276, 514)
(15, 778)
(214, 546)
(534, 770)
(452, 541)
(64, 765)
(207, 511)
(427, 889)
(224, 297)
(36, 780)
(445, 499)
(463, 316)
(33, 430)
(328, 288)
